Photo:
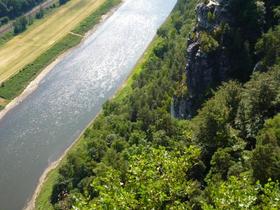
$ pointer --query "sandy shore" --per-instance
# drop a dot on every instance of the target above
(31, 203)
(30, 88)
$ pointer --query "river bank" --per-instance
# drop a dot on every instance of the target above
(32, 86)
(31, 204)
(38, 130)
(35, 82)
(46, 181)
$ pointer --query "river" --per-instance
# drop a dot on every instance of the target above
(37, 131)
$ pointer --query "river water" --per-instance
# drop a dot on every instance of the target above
(37, 131)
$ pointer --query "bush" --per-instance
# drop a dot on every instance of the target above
(266, 156)
(61, 2)
(20, 25)
(208, 43)
(268, 47)
(4, 20)
(40, 14)
(259, 102)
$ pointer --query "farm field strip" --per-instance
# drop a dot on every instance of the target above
(26, 47)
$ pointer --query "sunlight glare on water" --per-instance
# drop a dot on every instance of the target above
(39, 130)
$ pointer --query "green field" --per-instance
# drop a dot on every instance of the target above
(15, 85)
(26, 47)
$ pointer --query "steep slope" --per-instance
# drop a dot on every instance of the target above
(221, 47)
(137, 156)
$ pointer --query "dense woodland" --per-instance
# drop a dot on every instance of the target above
(11, 9)
(137, 156)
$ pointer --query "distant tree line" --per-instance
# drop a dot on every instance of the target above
(21, 22)
(61, 2)
(15, 9)
(11, 9)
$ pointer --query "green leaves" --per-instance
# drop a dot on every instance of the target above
(260, 101)
(235, 194)
(207, 42)
(137, 156)
(269, 48)
(155, 179)
(239, 193)
(211, 128)
(266, 156)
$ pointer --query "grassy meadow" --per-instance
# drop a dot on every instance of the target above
(29, 53)
(26, 47)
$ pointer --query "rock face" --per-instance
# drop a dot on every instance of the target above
(205, 68)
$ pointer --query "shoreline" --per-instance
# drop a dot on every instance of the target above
(32, 86)
(30, 204)
(52, 166)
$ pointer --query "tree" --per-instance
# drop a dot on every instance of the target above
(259, 102)
(234, 194)
(4, 20)
(240, 193)
(268, 47)
(16, 8)
(266, 156)
(270, 18)
(155, 179)
(221, 161)
(20, 25)
(40, 14)
(212, 126)
(61, 2)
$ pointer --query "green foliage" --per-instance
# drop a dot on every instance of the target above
(94, 18)
(277, 13)
(137, 156)
(268, 47)
(13, 86)
(141, 117)
(155, 179)
(4, 20)
(260, 101)
(240, 193)
(161, 48)
(208, 43)
(221, 162)
(271, 196)
(40, 14)
(266, 156)
(239, 40)
(234, 194)
(211, 17)
(15, 8)
(271, 10)
(229, 123)
(247, 18)
(212, 128)
(20, 25)
(61, 2)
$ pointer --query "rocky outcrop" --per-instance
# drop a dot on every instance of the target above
(218, 8)
(207, 66)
